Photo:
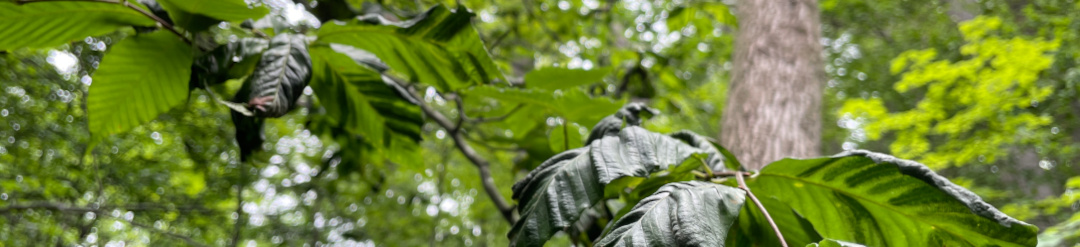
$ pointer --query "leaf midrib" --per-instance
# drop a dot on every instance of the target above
(861, 198)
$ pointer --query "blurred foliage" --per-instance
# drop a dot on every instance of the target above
(178, 175)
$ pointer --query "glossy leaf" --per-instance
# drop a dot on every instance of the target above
(679, 214)
(754, 230)
(48, 24)
(553, 196)
(879, 200)
(280, 76)
(439, 47)
(563, 78)
(140, 78)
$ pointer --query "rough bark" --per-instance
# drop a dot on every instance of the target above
(773, 108)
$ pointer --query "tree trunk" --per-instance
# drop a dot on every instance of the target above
(773, 108)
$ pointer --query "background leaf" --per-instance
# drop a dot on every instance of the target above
(552, 78)
(880, 200)
(140, 78)
(679, 214)
(48, 24)
(198, 15)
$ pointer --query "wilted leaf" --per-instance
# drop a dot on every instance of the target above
(281, 76)
(679, 214)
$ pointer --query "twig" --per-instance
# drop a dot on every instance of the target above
(742, 185)
(157, 19)
(80, 209)
(188, 240)
(239, 206)
(467, 150)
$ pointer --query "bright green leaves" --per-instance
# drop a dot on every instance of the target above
(48, 24)
(438, 48)
(879, 200)
(281, 76)
(198, 15)
(553, 196)
(140, 78)
(679, 214)
(561, 78)
(982, 104)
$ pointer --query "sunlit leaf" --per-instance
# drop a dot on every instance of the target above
(197, 15)
(880, 200)
(140, 78)
(48, 24)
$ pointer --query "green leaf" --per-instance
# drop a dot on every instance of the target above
(48, 24)
(140, 78)
(281, 76)
(439, 47)
(357, 99)
(565, 137)
(561, 78)
(197, 15)
(834, 243)
(679, 214)
(573, 104)
(233, 60)
(880, 200)
(755, 230)
(553, 196)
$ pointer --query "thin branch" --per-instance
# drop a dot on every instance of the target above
(157, 19)
(188, 240)
(237, 227)
(466, 149)
(742, 185)
(81, 209)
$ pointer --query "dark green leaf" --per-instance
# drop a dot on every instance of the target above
(281, 76)
(562, 78)
(438, 48)
(553, 196)
(880, 200)
(229, 61)
(679, 214)
(48, 24)
(197, 15)
(140, 78)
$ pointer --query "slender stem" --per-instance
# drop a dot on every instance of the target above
(742, 185)
(463, 145)
(157, 19)
(188, 240)
(239, 206)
